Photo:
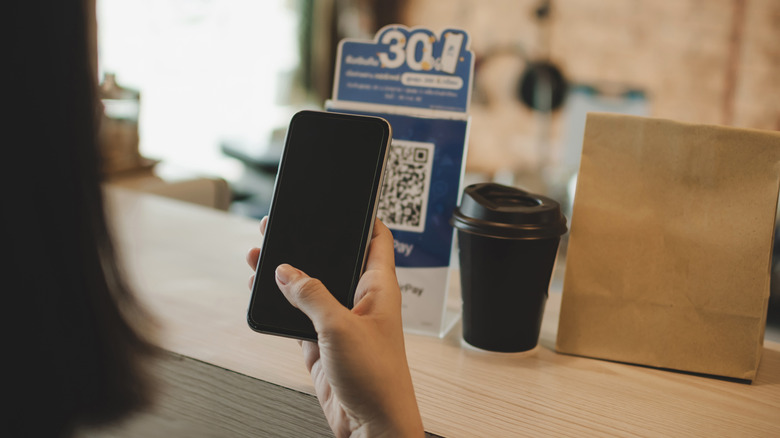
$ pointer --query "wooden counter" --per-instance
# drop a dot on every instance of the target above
(221, 379)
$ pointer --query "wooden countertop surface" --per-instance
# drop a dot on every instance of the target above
(187, 264)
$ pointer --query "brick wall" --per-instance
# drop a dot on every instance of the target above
(702, 61)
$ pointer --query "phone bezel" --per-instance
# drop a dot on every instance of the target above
(366, 237)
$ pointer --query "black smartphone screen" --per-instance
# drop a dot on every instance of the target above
(322, 213)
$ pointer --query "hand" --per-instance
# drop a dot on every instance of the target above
(358, 365)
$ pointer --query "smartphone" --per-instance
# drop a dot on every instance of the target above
(322, 213)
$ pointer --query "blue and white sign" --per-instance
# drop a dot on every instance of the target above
(406, 67)
(421, 85)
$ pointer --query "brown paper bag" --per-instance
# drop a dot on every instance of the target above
(670, 246)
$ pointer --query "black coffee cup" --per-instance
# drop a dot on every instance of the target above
(507, 240)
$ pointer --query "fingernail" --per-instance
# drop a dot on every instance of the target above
(284, 273)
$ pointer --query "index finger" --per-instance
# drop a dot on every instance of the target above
(381, 255)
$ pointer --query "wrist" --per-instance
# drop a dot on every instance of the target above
(404, 421)
(406, 428)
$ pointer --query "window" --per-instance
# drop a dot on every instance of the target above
(207, 70)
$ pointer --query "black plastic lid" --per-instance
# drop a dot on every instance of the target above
(503, 212)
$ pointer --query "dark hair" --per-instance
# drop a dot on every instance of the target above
(78, 338)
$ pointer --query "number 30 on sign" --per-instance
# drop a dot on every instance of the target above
(419, 50)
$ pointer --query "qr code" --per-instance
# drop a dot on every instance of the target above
(403, 204)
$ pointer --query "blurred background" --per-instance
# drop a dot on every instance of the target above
(218, 79)
(208, 86)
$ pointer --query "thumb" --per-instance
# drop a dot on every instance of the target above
(309, 295)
